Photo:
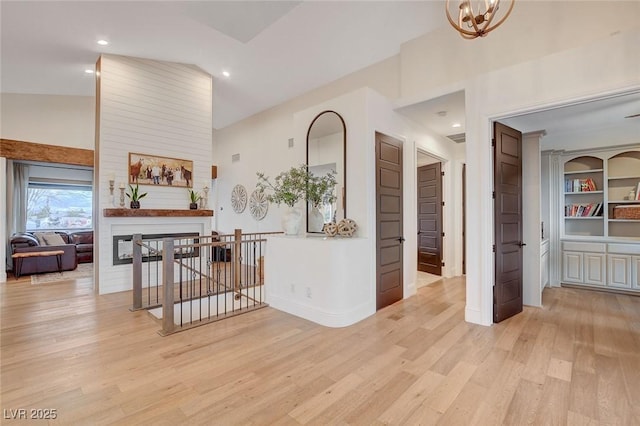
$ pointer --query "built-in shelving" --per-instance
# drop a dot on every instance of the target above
(584, 196)
(601, 251)
(623, 185)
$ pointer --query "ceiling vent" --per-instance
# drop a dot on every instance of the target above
(458, 138)
(235, 158)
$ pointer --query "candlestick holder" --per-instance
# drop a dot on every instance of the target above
(111, 198)
(121, 197)
(204, 200)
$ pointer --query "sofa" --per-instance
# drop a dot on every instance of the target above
(24, 242)
(83, 241)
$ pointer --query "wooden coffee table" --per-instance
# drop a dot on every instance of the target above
(19, 257)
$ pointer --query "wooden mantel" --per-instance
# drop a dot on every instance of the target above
(156, 213)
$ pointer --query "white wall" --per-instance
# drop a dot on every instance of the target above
(48, 119)
(156, 108)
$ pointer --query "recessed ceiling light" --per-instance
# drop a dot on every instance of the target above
(226, 73)
(103, 42)
(88, 71)
(456, 125)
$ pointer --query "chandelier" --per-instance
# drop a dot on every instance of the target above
(479, 20)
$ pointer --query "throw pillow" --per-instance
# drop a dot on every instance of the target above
(53, 239)
(40, 237)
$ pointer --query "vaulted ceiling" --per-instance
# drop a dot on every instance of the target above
(274, 50)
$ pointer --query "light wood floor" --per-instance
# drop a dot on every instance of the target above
(576, 362)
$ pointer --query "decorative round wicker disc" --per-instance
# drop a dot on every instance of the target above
(238, 198)
(258, 204)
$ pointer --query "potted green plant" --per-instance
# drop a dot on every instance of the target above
(288, 187)
(321, 189)
(135, 196)
(194, 197)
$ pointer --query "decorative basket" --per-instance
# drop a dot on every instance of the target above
(626, 212)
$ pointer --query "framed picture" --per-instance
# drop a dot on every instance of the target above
(147, 169)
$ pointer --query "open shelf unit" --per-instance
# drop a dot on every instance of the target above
(623, 184)
(614, 178)
(583, 196)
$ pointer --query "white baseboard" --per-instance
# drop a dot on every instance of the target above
(320, 316)
(474, 316)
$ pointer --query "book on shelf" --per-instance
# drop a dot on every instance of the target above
(598, 211)
(580, 185)
(638, 192)
(583, 210)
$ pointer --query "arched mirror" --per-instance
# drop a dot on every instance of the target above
(326, 154)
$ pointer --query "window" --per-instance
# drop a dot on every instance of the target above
(56, 205)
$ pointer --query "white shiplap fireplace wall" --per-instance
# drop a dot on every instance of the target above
(154, 108)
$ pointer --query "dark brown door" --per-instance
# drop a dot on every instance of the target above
(430, 219)
(507, 165)
(389, 236)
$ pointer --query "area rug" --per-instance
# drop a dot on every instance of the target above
(84, 270)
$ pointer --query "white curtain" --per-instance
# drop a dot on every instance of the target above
(17, 185)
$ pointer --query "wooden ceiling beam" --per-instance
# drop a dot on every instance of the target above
(29, 151)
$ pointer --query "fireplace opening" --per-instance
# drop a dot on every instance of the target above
(123, 247)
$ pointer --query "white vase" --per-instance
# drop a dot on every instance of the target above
(316, 220)
(291, 220)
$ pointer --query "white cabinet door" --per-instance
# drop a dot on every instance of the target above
(572, 267)
(544, 270)
(594, 268)
(619, 270)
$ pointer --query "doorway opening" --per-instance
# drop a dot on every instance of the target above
(430, 258)
(584, 126)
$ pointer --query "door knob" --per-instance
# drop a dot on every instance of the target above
(521, 244)
(401, 239)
